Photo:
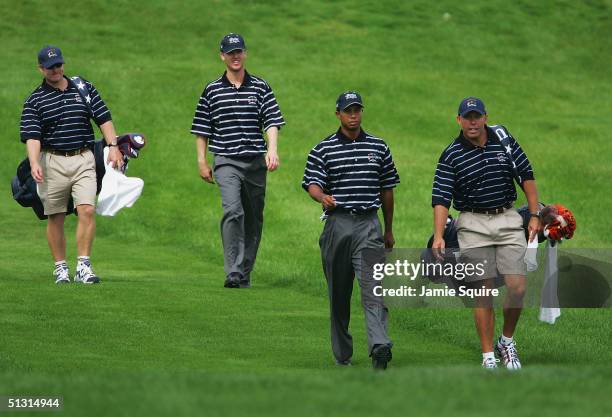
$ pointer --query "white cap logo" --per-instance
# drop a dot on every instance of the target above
(471, 103)
(233, 40)
(51, 53)
(350, 96)
(138, 139)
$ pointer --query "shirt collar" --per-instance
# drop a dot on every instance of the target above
(343, 138)
(246, 81)
(48, 87)
(469, 145)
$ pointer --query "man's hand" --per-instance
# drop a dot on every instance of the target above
(37, 172)
(389, 240)
(328, 202)
(115, 157)
(206, 172)
(534, 228)
(437, 248)
(33, 146)
(272, 161)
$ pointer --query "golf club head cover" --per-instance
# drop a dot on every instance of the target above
(130, 144)
(561, 222)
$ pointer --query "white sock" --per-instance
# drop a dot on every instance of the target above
(488, 355)
(81, 260)
(62, 262)
(506, 340)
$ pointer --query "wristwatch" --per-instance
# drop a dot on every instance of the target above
(113, 143)
(536, 214)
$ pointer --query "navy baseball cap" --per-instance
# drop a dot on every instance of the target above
(50, 56)
(471, 104)
(232, 42)
(347, 99)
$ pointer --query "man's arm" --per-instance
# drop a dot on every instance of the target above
(204, 168)
(114, 155)
(386, 197)
(441, 198)
(440, 217)
(272, 160)
(317, 194)
(531, 193)
(33, 147)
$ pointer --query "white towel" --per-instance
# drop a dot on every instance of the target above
(549, 309)
(531, 255)
(117, 191)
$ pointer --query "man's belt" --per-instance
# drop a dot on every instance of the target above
(65, 153)
(353, 212)
(494, 210)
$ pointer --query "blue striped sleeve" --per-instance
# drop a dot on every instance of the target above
(389, 177)
(30, 122)
(443, 183)
(270, 111)
(202, 123)
(315, 172)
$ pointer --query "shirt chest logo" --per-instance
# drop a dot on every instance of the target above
(252, 100)
(372, 157)
(78, 98)
(502, 157)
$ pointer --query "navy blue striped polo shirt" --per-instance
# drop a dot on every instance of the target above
(352, 171)
(60, 119)
(234, 119)
(478, 177)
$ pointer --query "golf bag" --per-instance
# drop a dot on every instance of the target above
(24, 186)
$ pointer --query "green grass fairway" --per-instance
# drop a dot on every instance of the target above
(161, 336)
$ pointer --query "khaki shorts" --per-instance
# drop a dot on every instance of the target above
(497, 241)
(65, 176)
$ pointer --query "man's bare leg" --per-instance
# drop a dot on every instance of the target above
(86, 229)
(56, 237)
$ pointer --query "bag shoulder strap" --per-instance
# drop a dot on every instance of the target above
(83, 90)
(504, 137)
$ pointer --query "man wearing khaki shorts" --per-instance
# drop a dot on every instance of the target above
(476, 173)
(56, 129)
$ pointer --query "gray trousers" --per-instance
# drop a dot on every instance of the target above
(344, 238)
(242, 182)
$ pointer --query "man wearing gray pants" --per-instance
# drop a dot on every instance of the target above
(242, 182)
(352, 174)
(230, 118)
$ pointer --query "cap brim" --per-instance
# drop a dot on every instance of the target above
(471, 110)
(233, 48)
(53, 61)
(351, 103)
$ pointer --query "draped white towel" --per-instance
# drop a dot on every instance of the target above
(549, 309)
(118, 191)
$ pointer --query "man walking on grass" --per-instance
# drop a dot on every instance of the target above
(56, 129)
(351, 174)
(477, 173)
(233, 112)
